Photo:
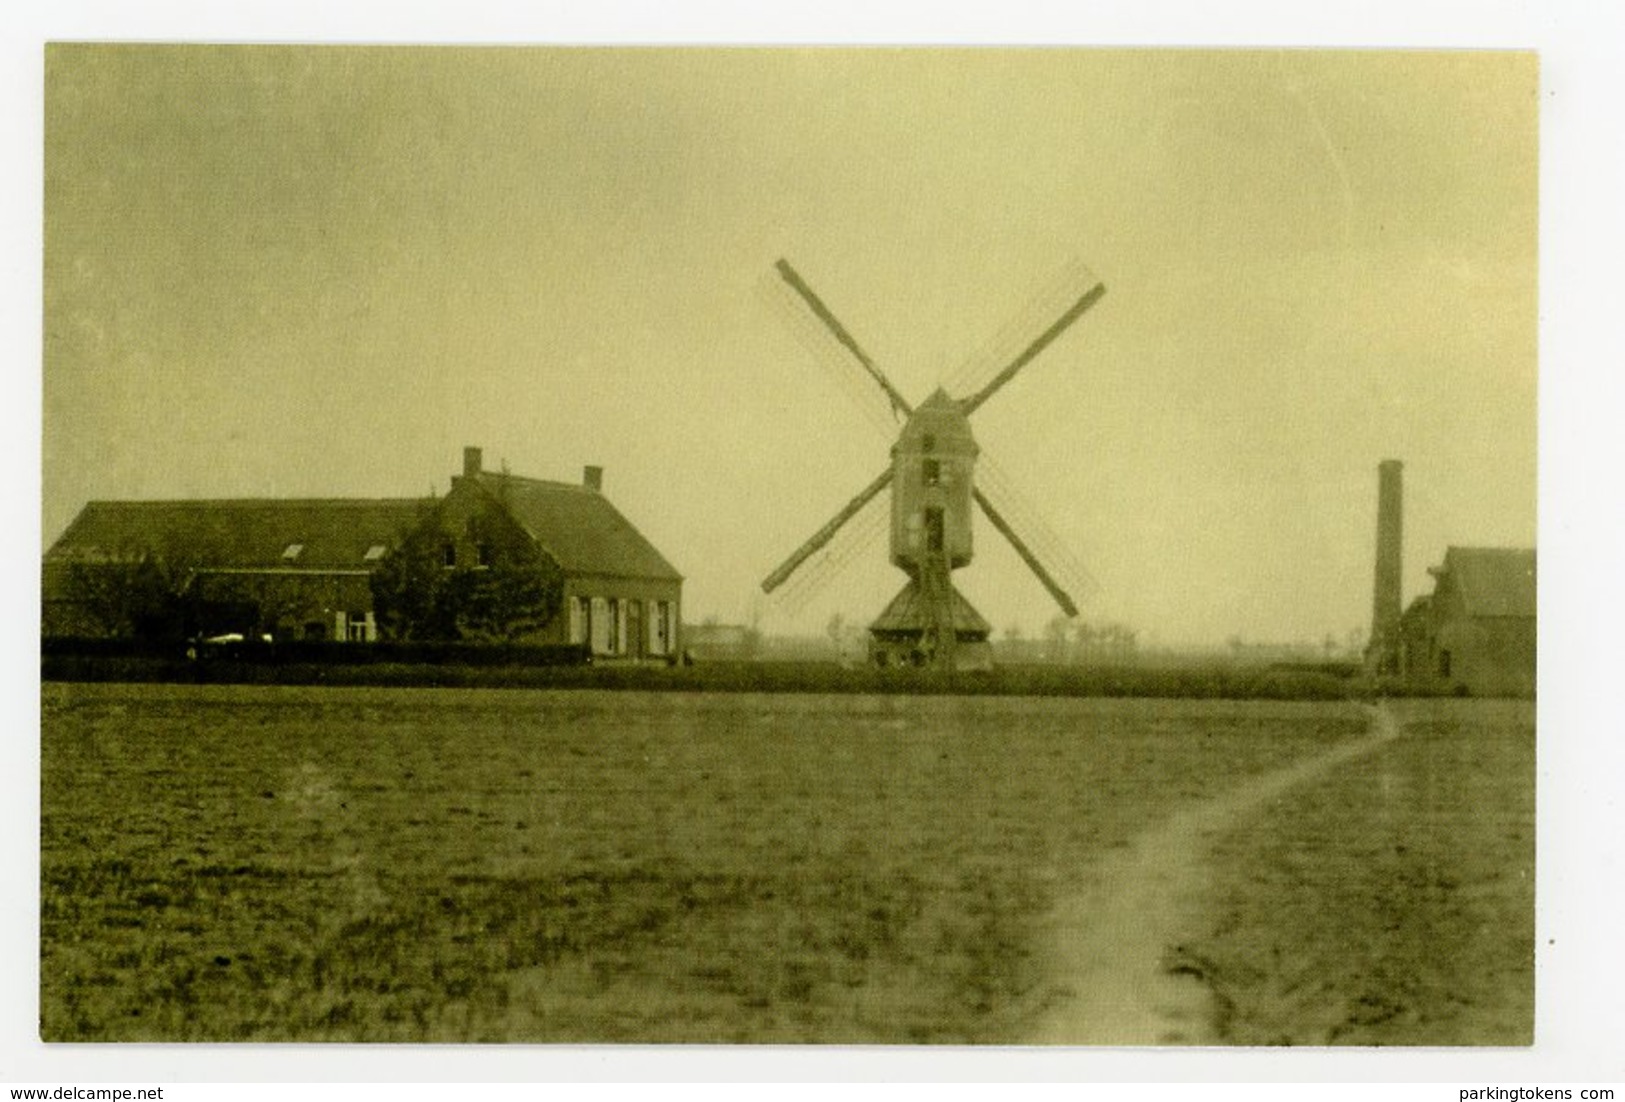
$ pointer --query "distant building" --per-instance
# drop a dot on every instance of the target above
(1476, 631)
(303, 568)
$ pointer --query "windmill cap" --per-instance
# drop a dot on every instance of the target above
(941, 419)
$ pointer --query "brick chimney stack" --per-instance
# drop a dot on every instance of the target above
(1382, 652)
(593, 479)
(472, 462)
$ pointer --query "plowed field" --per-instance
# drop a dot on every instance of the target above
(257, 863)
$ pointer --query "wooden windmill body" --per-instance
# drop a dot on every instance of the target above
(932, 477)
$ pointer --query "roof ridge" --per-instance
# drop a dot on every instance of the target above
(551, 483)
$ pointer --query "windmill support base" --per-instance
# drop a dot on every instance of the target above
(912, 629)
(900, 650)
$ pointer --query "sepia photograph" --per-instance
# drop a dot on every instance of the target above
(788, 545)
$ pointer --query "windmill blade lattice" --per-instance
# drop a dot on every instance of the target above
(1048, 301)
(856, 539)
(833, 359)
(1067, 569)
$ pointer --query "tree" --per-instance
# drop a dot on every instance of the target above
(130, 595)
(140, 590)
(836, 630)
(513, 591)
(1057, 638)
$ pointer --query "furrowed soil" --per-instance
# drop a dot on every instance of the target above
(1392, 904)
(295, 864)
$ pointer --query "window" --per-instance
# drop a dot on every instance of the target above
(374, 553)
(928, 442)
(292, 551)
(598, 625)
(616, 626)
(361, 628)
(931, 472)
(448, 553)
(482, 555)
(1444, 663)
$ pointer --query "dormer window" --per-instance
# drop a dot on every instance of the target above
(931, 472)
(374, 553)
(292, 551)
(928, 442)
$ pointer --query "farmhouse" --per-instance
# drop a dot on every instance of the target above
(1476, 631)
(305, 568)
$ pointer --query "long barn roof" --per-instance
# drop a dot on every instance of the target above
(245, 534)
(577, 526)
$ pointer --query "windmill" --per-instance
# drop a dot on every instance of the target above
(932, 477)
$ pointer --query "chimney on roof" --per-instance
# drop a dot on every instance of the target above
(472, 461)
(1382, 652)
(593, 479)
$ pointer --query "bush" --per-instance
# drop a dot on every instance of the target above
(568, 667)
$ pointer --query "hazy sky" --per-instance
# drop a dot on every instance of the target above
(322, 271)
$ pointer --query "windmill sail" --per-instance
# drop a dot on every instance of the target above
(833, 324)
(856, 539)
(1061, 596)
(1060, 563)
(831, 357)
(1072, 313)
(826, 533)
(933, 485)
(1044, 302)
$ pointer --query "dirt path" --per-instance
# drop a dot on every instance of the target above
(1117, 986)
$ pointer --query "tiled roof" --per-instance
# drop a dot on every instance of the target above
(240, 534)
(907, 612)
(579, 527)
(576, 525)
(1494, 581)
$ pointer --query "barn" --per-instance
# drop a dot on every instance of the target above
(1475, 633)
(303, 569)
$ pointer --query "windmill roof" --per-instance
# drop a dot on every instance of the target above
(1493, 581)
(329, 534)
(578, 526)
(944, 420)
(908, 612)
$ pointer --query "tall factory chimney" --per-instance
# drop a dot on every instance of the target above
(1382, 652)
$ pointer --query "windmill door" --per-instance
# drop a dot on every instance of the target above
(933, 529)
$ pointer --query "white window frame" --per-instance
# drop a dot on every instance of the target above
(580, 617)
(360, 627)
